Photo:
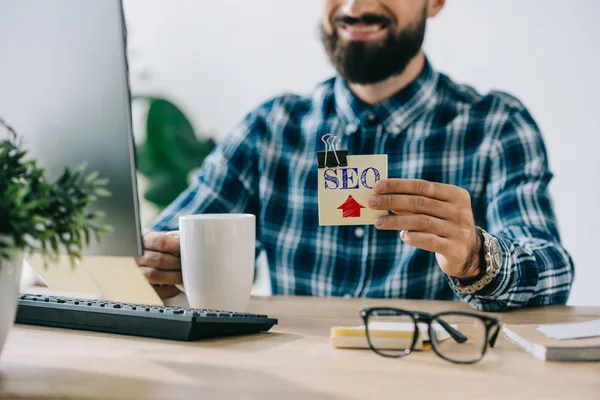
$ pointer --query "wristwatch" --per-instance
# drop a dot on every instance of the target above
(492, 255)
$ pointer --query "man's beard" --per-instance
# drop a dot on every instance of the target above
(367, 63)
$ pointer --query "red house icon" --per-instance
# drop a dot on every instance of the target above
(350, 208)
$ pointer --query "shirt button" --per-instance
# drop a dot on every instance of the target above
(395, 130)
(351, 129)
(359, 232)
(372, 118)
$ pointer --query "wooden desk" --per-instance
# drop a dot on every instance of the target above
(293, 361)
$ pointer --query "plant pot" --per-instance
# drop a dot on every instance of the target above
(10, 277)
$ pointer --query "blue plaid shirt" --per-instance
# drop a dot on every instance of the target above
(434, 129)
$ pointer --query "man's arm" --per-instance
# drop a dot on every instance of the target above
(536, 269)
(226, 183)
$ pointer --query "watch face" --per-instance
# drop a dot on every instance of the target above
(496, 252)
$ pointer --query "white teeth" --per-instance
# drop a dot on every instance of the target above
(366, 28)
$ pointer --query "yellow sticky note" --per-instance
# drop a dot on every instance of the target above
(62, 276)
(120, 279)
(344, 191)
(112, 278)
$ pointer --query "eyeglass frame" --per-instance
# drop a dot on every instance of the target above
(423, 317)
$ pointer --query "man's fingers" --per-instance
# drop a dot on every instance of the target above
(166, 292)
(401, 204)
(159, 276)
(159, 260)
(415, 222)
(426, 241)
(161, 242)
(419, 187)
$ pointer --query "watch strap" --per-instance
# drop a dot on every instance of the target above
(489, 268)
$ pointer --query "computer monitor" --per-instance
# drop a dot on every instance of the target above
(64, 88)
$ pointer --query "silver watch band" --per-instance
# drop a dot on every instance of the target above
(492, 265)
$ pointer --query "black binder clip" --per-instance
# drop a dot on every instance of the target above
(331, 157)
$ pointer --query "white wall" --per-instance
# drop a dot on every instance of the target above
(219, 59)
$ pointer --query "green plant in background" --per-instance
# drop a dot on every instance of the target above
(171, 151)
(38, 216)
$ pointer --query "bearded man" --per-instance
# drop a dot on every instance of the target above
(469, 216)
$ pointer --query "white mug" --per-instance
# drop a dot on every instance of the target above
(217, 260)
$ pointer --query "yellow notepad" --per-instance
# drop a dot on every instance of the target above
(390, 336)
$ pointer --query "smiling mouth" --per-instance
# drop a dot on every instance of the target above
(362, 31)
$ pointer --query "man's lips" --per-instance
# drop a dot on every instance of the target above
(361, 31)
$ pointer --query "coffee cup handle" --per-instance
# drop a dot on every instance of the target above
(176, 233)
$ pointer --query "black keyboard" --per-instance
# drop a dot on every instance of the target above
(162, 322)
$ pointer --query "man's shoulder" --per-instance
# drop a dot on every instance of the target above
(462, 96)
(293, 106)
(497, 113)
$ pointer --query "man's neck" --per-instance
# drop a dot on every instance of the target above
(376, 93)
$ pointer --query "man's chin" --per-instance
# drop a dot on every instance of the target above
(365, 62)
(364, 80)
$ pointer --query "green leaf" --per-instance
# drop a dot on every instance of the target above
(91, 177)
(107, 229)
(54, 244)
(101, 192)
(101, 182)
(166, 127)
(78, 170)
(163, 189)
(96, 215)
(86, 236)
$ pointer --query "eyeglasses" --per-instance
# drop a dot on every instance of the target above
(458, 337)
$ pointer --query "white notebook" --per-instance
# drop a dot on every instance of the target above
(532, 340)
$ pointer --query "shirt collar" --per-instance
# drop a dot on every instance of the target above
(395, 113)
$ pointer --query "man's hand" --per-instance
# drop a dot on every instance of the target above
(433, 217)
(160, 263)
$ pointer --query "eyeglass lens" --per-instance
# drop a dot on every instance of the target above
(472, 328)
(390, 332)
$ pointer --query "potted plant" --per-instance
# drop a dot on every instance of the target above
(39, 216)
